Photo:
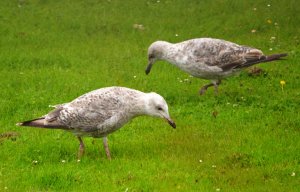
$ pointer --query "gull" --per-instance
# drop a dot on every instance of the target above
(101, 112)
(208, 58)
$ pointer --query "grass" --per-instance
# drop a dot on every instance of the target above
(54, 51)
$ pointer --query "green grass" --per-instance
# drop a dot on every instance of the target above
(53, 51)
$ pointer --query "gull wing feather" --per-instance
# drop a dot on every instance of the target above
(220, 53)
(227, 55)
(91, 110)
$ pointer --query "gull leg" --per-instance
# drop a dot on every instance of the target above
(204, 88)
(216, 85)
(105, 144)
(81, 148)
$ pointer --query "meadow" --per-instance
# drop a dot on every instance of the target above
(246, 138)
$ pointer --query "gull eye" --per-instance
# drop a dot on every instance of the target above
(151, 56)
(159, 108)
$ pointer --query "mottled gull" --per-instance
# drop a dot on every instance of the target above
(207, 58)
(101, 112)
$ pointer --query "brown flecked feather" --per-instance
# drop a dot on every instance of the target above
(252, 61)
(41, 123)
(265, 59)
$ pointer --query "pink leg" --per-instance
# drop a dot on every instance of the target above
(81, 148)
(204, 88)
(214, 83)
(105, 144)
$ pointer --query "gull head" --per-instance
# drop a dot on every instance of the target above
(155, 52)
(156, 106)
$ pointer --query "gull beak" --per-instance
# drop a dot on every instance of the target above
(148, 69)
(171, 122)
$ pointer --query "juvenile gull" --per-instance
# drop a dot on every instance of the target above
(207, 58)
(101, 112)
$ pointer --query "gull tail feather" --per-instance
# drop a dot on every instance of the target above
(265, 59)
(276, 57)
(40, 123)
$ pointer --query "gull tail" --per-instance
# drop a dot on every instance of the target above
(253, 58)
(275, 57)
(40, 123)
(265, 59)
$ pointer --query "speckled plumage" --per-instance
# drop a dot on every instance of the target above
(103, 111)
(207, 58)
(99, 112)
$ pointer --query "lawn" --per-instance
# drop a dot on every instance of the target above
(246, 138)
